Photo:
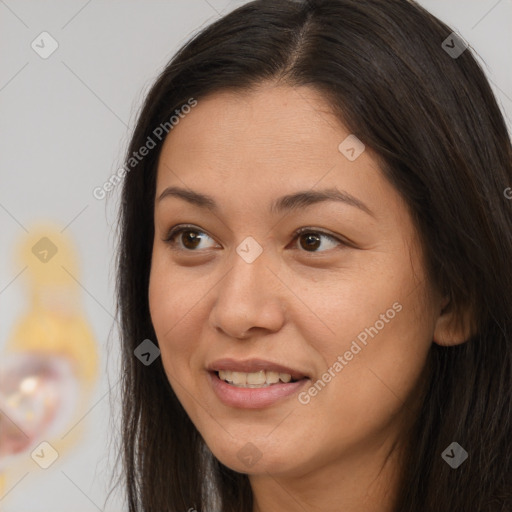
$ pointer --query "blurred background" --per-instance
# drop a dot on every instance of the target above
(73, 74)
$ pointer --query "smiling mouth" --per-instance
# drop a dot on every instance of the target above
(260, 379)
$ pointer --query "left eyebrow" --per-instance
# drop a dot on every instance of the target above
(306, 198)
(301, 199)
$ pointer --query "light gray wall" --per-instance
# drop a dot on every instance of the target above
(64, 123)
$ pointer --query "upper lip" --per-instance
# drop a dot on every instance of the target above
(254, 365)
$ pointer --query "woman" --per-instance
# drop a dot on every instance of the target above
(315, 235)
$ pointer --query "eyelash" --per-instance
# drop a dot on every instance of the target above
(177, 230)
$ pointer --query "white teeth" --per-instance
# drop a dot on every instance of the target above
(272, 377)
(238, 378)
(255, 379)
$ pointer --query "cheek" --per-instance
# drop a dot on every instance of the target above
(381, 326)
(173, 307)
(376, 362)
(173, 294)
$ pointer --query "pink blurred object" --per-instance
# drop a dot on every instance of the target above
(39, 394)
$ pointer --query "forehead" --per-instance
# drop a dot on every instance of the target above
(273, 132)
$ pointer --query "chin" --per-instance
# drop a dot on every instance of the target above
(255, 457)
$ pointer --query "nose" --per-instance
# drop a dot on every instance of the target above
(250, 299)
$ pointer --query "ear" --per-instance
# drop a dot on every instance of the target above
(453, 327)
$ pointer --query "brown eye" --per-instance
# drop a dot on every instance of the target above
(190, 239)
(186, 238)
(311, 240)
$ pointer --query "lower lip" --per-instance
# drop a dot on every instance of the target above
(253, 398)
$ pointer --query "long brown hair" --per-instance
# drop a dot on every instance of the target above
(434, 123)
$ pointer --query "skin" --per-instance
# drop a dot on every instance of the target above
(294, 304)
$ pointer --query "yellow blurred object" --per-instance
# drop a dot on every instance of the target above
(54, 323)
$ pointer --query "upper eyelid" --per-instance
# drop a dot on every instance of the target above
(179, 229)
(183, 227)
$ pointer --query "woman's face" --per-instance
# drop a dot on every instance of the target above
(344, 308)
